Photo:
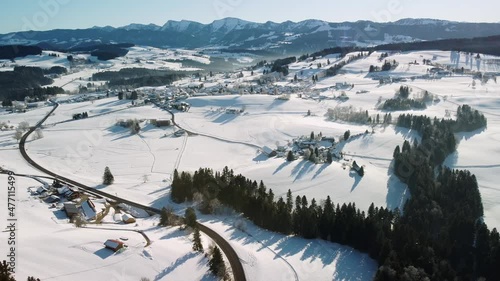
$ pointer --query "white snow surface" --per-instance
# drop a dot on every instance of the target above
(143, 164)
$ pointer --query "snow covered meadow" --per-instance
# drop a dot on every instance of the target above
(143, 164)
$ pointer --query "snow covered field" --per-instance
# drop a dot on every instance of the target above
(143, 164)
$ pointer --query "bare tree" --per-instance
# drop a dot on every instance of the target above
(18, 134)
(24, 126)
(38, 134)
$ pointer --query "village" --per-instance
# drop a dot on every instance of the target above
(71, 205)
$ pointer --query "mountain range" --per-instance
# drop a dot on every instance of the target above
(232, 33)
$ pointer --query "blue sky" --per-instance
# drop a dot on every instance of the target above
(18, 15)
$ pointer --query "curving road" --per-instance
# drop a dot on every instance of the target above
(234, 261)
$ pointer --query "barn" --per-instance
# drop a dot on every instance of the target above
(114, 245)
(163, 123)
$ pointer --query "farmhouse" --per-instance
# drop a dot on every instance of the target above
(71, 209)
(114, 245)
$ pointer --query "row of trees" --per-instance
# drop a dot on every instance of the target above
(388, 65)
(281, 65)
(332, 71)
(468, 119)
(351, 114)
(25, 82)
(403, 102)
(138, 77)
(337, 223)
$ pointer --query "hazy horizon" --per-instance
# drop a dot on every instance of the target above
(71, 14)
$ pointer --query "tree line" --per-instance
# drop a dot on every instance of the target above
(25, 81)
(281, 65)
(332, 71)
(138, 77)
(10, 52)
(343, 224)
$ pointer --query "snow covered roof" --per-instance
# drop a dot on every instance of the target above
(88, 210)
(128, 218)
(113, 244)
(70, 208)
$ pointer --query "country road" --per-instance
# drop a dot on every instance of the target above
(234, 261)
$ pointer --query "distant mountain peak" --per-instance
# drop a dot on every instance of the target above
(181, 25)
(229, 24)
(422, 21)
(105, 28)
(139, 26)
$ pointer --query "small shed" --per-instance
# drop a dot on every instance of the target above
(128, 218)
(269, 151)
(162, 123)
(71, 209)
(114, 245)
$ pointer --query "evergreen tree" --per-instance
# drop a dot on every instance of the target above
(164, 217)
(190, 217)
(361, 171)
(5, 274)
(216, 263)
(347, 134)
(290, 156)
(329, 157)
(397, 151)
(289, 201)
(107, 178)
(175, 191)
(197, 246)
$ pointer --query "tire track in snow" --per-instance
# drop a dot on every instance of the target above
(275, 253)
(150, 152)
(181, 152)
